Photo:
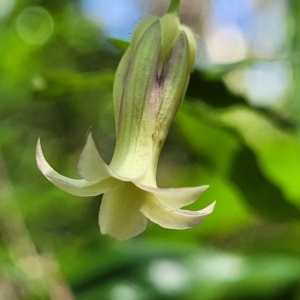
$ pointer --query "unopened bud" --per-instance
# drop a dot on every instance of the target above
(150, 83)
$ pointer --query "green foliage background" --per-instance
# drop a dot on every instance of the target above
(50, 245)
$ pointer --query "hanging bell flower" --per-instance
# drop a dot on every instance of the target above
(150, 83)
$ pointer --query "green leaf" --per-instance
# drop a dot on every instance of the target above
(277, 150)
(249, 166)
(61, 82)
(214, 143)
(259, 192)
(119, 44)
(211, 90)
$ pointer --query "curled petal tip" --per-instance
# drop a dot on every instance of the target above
(77, 187)
(210, 208)
(175, 218)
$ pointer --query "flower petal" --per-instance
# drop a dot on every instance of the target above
(91, 166)
(77, 187)
(120, 214)
(175, 197)
(173, 219)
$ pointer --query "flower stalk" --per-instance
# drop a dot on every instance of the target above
(174, 6)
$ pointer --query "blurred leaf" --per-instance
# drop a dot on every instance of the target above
(119, 44)
(259, 192)
(294, 103)
(214, 148)
(211, 90)
(214, 144)
(230, 212)
(277, 150)
(207, 138)
(57, 83)
(226, 275)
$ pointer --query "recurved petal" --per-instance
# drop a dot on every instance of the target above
(175, 197)
(91, 166)
(120, 214)
(173, 219)
(77, 187)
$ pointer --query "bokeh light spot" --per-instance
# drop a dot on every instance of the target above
(34, 25)
(221, 268)
(267, 83)
(169, 277)
(226, 45)
(125, 292)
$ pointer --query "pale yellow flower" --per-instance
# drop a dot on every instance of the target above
(149, 85)
(127, 203)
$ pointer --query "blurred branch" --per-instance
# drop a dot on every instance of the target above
(41, 272)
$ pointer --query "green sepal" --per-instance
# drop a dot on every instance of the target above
(170, 29)
(192, 46)
(141, 28)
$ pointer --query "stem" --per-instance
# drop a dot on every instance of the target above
(174, 6)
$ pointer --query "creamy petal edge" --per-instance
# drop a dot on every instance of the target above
(91, 166)
(77, 187)
(175, 197)
(174, 219)
(120, 214)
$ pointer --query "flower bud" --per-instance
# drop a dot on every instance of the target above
(151, 81)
